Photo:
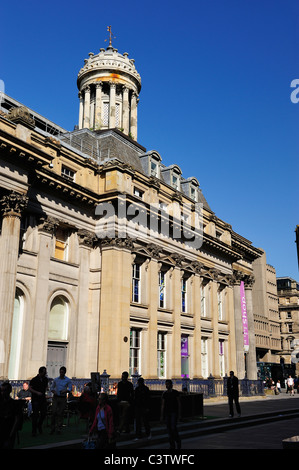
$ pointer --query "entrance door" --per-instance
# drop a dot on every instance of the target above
(56, 358)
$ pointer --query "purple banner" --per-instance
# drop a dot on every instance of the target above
(244, 317)
(184, 345)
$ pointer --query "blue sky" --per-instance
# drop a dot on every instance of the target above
(215, 95)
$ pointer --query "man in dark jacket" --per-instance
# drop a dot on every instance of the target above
(233, 394)
(125, 397)
(142, 408)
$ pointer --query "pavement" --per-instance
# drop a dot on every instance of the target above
(197, 432)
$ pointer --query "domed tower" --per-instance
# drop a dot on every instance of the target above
(109, 87)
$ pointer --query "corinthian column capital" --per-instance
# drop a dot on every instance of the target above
(13, 204)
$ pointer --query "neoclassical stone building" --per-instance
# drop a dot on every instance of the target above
(103, 264)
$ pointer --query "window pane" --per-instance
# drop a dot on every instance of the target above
(58, 320)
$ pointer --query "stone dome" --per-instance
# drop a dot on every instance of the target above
(108, 65)
(109, 87)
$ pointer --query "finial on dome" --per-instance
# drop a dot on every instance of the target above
(110, 37)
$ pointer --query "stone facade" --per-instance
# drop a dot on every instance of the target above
(87, 283)
(266, 315)
(288, 294)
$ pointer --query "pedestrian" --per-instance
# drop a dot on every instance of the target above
(125, 399)
(278, 387)
(290, 385)
(171, 412)
(233, 394)
(142, 408)
(10, 417)
(38, 387)
(103, 424)
(60, 387)
(25, 395)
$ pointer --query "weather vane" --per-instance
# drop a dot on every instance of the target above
(110, 35)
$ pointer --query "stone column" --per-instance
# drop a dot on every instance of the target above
(12, 206)
(112, 105)
(240, 360)
(80, 123)
(197, 372)
(98, 110)
(46, 230)
(251, 367)
(215, 327)
(152, 289)
(126, 111)
(133, 123)
(81, 362)
(116, 278)
(86, 122)
(176, 308)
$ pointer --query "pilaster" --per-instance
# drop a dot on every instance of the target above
(112, 105)
(98, 110)
(86, 122)
(12, 206)
(46, 232)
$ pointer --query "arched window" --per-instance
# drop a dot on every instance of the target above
(58, 320)
(16, 336)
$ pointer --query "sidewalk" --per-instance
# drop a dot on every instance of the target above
(268, 407)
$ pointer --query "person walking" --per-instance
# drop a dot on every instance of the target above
(233, 394)
(125, 398)
(290, 385)
(38, 387)
(142, 408)
(60, 387)
(171, 412)
(103, 424)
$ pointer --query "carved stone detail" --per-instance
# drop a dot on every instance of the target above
(48, 224)
(86, 238)
(13, 204)
(126, 243)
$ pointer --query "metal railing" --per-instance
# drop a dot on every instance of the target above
(210, 387)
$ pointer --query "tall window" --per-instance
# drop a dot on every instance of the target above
(105, 113)
(220, 306)
(134, 351)
(58, 319)
(184, 294)
(117, 115)
(16, 337)
(161, 355)
(184, 356)
(136, 283)
(162, 289)
(203, 301)
(221, 357)
(204, 357)
(61, 244)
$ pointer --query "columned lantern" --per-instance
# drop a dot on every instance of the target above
(109, 87)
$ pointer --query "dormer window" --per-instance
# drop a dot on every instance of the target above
(151, 163)
(175, 182)
(190, 187)
(154, 169)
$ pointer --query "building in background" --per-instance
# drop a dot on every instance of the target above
(104, 263)
(288, 295)
(266, 319)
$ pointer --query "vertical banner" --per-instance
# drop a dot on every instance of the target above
(244, 317)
